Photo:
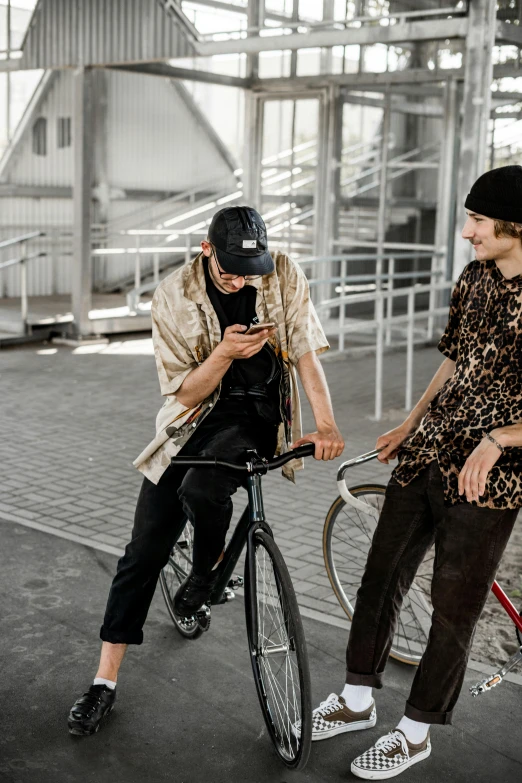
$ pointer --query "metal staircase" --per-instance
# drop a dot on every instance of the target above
(290, 224)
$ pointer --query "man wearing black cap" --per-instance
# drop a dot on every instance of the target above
(225, 392)
(458, 485)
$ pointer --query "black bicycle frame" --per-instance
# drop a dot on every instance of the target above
(252, 519)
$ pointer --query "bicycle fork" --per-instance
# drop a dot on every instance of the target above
(495, 679)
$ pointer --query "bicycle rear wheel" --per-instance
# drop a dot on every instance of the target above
(347, 537)
(177, 568)
(278, 653)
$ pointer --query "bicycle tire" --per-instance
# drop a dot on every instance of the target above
(414, 621)
(280, 638)
(171, 576)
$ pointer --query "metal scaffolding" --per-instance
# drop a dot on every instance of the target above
(342, 157)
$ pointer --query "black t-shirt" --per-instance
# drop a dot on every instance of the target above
(240, 308)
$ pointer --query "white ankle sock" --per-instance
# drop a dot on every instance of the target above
(414, 731)
(102, 681)
(357, 697)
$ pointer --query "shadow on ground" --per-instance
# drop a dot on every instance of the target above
(187, 711)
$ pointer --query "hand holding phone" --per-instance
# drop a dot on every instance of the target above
(255, 328)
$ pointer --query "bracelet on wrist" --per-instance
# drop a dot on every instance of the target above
(497, 444)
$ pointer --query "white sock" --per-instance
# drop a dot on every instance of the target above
(414, 731)
(357, 697)
(102, 681)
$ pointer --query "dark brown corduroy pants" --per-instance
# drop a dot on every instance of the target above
(469, 542)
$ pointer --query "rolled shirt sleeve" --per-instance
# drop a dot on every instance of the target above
(174, 360)
(303, 328)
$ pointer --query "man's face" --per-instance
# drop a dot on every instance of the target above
(225, 286)
(480, 231)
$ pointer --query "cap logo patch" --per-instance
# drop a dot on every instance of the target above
(249, 244)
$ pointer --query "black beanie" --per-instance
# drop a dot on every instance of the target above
(497, 194)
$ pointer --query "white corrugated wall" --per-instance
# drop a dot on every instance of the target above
(45, 275)
(154, 140)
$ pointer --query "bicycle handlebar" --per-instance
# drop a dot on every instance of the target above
(258, 466)
(356, 461)
(341, 484)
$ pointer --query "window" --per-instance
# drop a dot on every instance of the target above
(64, 132)
(40, 136)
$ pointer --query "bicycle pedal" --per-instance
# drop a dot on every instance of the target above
(485, 685)
(203, 617)
(495, 679)
(228, 594)
(235, 582)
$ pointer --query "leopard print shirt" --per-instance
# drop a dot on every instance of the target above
(484, 338)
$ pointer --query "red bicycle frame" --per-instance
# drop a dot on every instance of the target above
(506, 603)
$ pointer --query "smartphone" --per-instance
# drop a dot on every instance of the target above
(255, 328)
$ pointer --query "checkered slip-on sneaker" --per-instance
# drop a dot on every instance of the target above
(390, 756)
(333, 717)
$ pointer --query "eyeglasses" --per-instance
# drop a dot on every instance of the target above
(228, 277)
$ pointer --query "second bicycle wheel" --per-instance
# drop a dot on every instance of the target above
(278, 654)
(347, 537)
(177, 568)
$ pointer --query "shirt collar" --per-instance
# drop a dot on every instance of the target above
(512, 285)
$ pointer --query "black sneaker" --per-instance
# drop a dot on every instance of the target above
(193, 592)
(87, 712)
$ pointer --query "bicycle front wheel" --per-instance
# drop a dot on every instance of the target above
(278, 653)
(347, 538)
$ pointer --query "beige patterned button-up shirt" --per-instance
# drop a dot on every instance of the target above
(185, 330)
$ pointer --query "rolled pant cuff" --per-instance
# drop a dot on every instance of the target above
(372, 680)
(436, 718)
(121, 637)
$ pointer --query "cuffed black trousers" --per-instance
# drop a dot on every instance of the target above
(469, 543)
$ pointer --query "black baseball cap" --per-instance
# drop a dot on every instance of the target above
(239, 237)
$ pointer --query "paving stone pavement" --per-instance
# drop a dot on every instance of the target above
(72, 421)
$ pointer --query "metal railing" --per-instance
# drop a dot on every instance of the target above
(381, 322)
(22, 260)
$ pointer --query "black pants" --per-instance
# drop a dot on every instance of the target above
(469, 542)
(202, 494)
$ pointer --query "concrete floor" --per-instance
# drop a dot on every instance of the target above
(187, 711)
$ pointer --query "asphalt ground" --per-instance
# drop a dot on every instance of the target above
(187, 711)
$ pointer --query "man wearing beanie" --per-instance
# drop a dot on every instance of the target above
(225, 392)
(458, 485)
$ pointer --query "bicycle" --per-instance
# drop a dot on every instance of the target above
(347, 535)
(275, 632)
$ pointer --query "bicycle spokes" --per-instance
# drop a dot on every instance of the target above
(351, 534)
(276, 654)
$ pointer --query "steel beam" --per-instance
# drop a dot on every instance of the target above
(509, 33)
(421, 109)
(252, 121)
(330, 129)
(241, 10)
(188, 74)
(476, 109)
(410, 77)
(365, 35)
(83, 135)
(445, 220)
(10, 64)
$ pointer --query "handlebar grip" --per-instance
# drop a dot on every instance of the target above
(307, 450)
(189, 461)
